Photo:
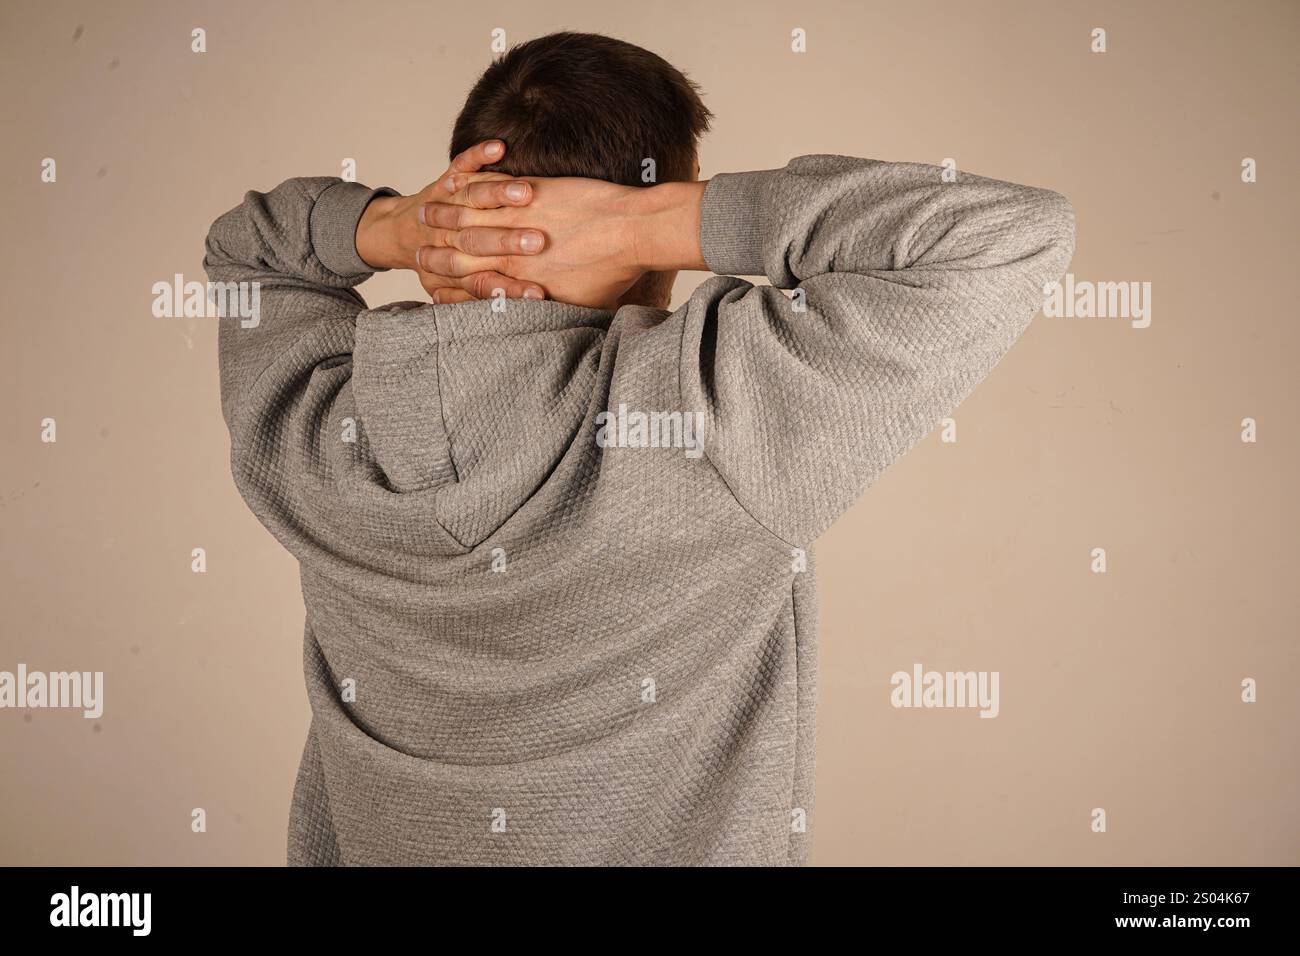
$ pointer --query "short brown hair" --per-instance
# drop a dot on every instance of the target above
(582, 104)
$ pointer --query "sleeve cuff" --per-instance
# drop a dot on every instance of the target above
(334, 220)
(731, 223)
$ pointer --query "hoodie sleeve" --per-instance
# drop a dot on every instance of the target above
(906, 292)
(295, 248)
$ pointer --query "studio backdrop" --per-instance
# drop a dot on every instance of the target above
(1105, 532)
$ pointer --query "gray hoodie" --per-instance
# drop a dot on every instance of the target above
(559, 605)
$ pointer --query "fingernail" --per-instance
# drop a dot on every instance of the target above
(532, 294)
(450, 183)
(417, 260)
(517, 191)
(493, 149)
(530, 241)
(422, 219)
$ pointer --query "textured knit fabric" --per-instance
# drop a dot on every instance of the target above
(525, 646)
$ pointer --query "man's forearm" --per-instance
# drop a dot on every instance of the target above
(666, 234)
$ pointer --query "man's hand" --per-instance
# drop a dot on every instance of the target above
(599, 237)
(394, 229)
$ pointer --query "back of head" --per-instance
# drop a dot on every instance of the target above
(581, 104)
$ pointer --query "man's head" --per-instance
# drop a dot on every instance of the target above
(581, 104)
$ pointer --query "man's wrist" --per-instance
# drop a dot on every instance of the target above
(375, 239)
(667, 227)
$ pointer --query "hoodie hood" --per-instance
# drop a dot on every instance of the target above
(466, 411)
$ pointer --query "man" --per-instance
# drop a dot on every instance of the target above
(554, 550)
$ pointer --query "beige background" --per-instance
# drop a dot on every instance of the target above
(1119, 691)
